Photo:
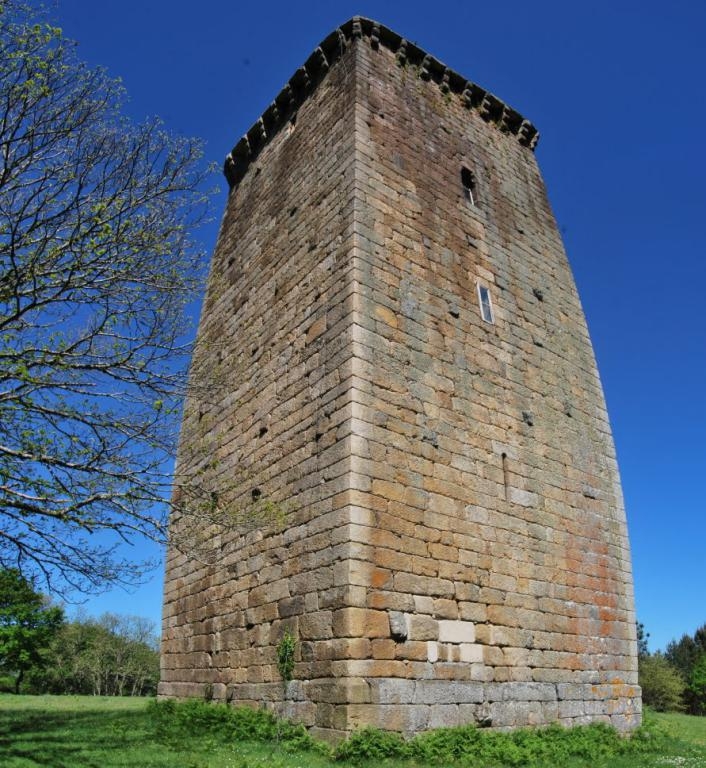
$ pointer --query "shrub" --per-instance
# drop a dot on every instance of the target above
(469, 746)
(174, 721)
(662, 685)
(372, 744)
(285, 655)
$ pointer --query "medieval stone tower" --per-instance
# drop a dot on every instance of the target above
(396, 445)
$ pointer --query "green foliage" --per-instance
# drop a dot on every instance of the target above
(27, 625)
(69, 731)
(642, 637)
(686, 655)
(96, 267)
(695, 694)
(372, 744)
(109, 656)
(175, 721)
(285, 655)
(470, 746)
(662, 685)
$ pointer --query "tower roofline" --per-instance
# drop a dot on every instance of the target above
(314, 69)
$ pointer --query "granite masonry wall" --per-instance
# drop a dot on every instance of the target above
(428, 501)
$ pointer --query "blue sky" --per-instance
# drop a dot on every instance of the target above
(616, 90)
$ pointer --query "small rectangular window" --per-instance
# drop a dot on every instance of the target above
(486, 306)
(469, 185)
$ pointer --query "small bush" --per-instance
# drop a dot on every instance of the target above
(372, 744)
(173, 721)
(285, 655)
(469, 746)
(662, 685)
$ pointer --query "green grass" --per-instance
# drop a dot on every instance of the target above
(683, 727)
(75, 731)
(106, 732)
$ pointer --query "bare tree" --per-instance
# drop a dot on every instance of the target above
(96, 269)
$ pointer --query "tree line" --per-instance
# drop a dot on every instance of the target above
(43, 652)
(674, 680)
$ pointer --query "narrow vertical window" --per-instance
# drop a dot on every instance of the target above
(505, 482)
(486, 306)
(469, 185)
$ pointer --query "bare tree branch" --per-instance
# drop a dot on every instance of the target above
(96, 270)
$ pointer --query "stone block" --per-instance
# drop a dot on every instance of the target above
(432, 651)
(360, 622)
(445, 691)
(444, 716)
(445, 609)
(391, 691)
(423, 604)
(398, 626)
(456, 631)
(316, 626)
(470, 652)
(422, 628)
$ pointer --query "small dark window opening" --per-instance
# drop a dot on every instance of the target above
(469, 185)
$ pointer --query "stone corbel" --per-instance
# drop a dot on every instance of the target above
(444, 85)
(260, 130)
(528, 134)
(303, 76)
(322, 61)
(402, 53)
(375, 37)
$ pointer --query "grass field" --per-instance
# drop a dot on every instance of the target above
(74, 731)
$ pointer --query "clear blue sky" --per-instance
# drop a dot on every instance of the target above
(616, 89)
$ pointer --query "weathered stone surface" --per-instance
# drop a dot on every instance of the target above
(426, 496)
(398, 626)
(456, 631)
(423, 628)
(445, 691)
(391, 691)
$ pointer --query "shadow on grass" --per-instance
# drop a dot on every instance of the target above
(69, 738)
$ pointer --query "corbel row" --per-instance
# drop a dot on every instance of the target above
(285, 105)
(308, 76)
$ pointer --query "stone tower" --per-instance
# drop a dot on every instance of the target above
(395, 444)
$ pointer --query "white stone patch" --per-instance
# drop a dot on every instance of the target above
(471, 652)
(457, 631)
(432, 651)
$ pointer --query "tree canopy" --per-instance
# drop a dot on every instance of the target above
(688, 656)
(96, 269)
(107, 656)
(27, 625)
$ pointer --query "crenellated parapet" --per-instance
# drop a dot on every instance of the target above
(312, 72)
